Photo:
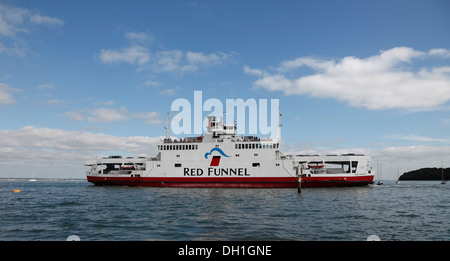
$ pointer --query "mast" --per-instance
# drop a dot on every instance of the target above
(398, 176)
(279, 126)
(443, 180)
(167, 126)
(380, 182)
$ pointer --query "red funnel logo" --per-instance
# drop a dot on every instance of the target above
(215, 161)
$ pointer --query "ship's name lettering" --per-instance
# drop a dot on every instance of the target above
(216, 172)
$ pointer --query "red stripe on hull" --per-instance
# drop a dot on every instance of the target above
(196, 182)
(307, 182)
(315, 182)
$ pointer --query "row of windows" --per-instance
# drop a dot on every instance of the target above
(178, 147)
(236, 146)
(178, 165)
(256, 146)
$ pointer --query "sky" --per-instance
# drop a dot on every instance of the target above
(80, 79)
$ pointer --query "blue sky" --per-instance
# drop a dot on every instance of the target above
(86, 78)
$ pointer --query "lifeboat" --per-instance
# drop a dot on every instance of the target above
(316, 166)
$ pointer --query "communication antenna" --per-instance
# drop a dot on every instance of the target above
(167, 126)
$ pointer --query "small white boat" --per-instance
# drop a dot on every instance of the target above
(380, 182)
(34, 177)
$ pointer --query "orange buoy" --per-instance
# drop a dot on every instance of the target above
(16, 190)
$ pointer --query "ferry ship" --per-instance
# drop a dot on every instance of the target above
(221, 158)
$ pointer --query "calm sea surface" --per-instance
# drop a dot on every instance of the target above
(55, 210)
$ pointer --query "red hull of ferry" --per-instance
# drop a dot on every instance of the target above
(187, 182)
(343, 181)
(307, 182)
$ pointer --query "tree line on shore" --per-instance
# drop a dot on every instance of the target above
(426, 174)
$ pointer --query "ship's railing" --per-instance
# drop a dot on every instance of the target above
(200, 139)
(184, 140)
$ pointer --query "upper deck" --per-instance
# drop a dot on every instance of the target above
(118, 160)
(331, 158)
(216, 131)
(329, 164)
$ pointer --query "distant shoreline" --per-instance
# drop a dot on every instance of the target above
(425, 174)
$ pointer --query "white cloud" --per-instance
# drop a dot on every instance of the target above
(57, 139)
(305, 61)
(139, 37)
(6, 96)
(174, 61)
(45, 86)
(15, 20)
(46, 20)
(382, 81)
(151, 83)
(440, 52)
(103, 114)
(16, 23)
(12, 20)
(412, 157)
(170, 91)
(251, 71)
(168, 61)
(153, 118)
(148, 83)
(196, 58)
(108, 115)
(413, 137)
(57, 101)
(75, 115)
(180, 62)
(134, 55)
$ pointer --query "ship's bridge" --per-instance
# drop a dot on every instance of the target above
(217, 127)
(217, 131)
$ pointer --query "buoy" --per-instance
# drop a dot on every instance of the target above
(16, 190)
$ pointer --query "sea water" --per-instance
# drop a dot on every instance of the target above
(57, 210)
